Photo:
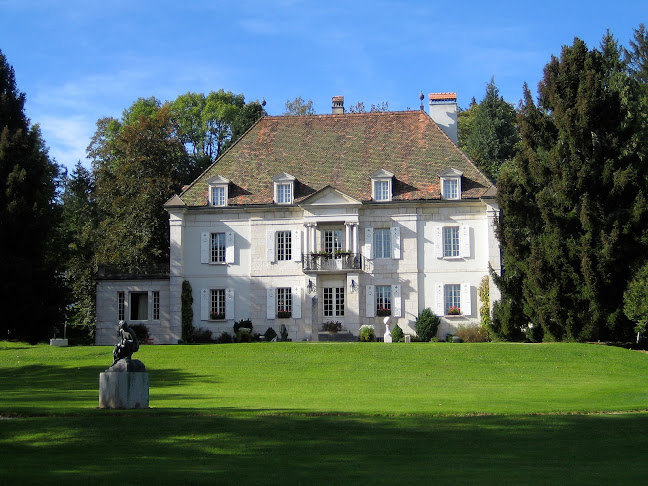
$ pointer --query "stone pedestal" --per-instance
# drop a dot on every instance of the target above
(123, 390)
(59, 342)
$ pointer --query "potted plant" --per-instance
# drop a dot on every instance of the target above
(454, 311)
(382, 312)
(284, 314)
(321, 253)
(332, 327)
(217, 316)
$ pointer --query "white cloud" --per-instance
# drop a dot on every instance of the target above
(67, 138)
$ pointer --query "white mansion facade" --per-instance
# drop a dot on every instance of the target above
(343, 217)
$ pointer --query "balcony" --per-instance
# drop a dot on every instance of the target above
(328, 262)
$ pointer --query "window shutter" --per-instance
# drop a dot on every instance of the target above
(204, 305)
(370, 301)
(369, 235)
(438, 241)
(204, 248)
(229, 303)
(439, 307)
(296, 302)
(270, 246)
(466, 305)
(396, 242)
(229, 247)
(270, 304)
(397, 303)
(296, 245)
(464, 241)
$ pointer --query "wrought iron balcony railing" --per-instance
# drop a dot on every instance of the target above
(328, 262)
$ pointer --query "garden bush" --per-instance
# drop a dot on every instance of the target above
(332, 326)
(367, 333)
(397, 334)
(427, 324)
(243, 324)
(224, 338)
(141, 331)
(270, 334)
(244, 336)
(202, 336)
(472, 334)
(186, 311)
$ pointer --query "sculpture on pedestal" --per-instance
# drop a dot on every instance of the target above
(124, 349)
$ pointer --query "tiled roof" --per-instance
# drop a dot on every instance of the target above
(443, 96)
(341, 151)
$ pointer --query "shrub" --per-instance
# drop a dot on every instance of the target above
(243, 323)
(186, 311)
(79, 334)
(224, 338)
(202, 336)
(472, 334)
(367, 333)
(141, 331)
(427, 324)
(270, 334)
(243, 336)
(397, 334)
(332, 326)
(484, 299)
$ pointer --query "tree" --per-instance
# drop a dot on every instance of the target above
(359, 107)
(31, 291)
(573, 202)
(427, 324)
(491, 138)
(635, 301)
(299, 107)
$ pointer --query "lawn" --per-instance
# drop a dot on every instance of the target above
(330, 413)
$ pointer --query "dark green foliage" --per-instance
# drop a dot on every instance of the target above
(224, 338)
(332, 326)
(244, 336)
(397, 334)
(202, 336)
(635, 300)
(79, 335)
(367, 333)
(427, 324)
(141, 331)
(243, 323)
(270, 334)
(31, 289)
(573, 201)
(186, 302)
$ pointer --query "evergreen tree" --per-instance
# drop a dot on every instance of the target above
(573, 202)
(31, 295)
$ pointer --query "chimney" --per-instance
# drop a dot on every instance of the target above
(338, 105)
(443, 110)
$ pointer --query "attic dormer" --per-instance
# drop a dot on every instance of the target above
(284, 188)
(218, 190)
(451, 184)
(381, 185)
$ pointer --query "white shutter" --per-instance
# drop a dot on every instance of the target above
(229, 247)
(296, 245)
(270, 246)
(438, 241)
(229, 303)
(204, 305)
(204, 248)
(397, 302)
(396, 243)
(369, 236)
(439, 304)
(466, 304)
(370, 304)
(296, 302)
(270, 303)
(464, 241)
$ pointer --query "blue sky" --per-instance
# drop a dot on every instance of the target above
(80, 60)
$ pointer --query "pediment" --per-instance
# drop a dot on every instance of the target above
(217, 179)
(381, 174)
(283, 177)
(451, 172)
(329, 196)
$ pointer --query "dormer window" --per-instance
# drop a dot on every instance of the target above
(218, 191)
(451, 184)
(284, 188)
(381, 185)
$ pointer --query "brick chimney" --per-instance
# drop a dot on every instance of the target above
(443, 110)
(338, 105)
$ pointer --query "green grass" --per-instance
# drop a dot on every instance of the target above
(330, 413)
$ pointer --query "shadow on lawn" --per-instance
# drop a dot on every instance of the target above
(245, 448)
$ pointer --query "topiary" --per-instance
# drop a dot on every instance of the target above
(243, 336)
(397, 334)
(270, 334)
(243, 323)
(186, 311)
(427, 324)
(224, 338)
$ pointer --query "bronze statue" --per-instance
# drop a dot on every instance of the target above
(128, 343)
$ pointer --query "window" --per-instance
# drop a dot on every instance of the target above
(284, 245)
(450, 189)
(156, 305)
(333, 301)
(451, 241)
(452, 297)
(217, 305)
(217, 246)
(383, 243)
(383, 300)
(381, 189)
(139, 306)
(284, 302)
(218, 196)
(284, 193)
(332, 241)
(381, 185)
(121, 307)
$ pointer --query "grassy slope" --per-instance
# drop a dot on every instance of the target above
(328, 413)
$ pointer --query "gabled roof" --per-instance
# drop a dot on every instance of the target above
(342, 151)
